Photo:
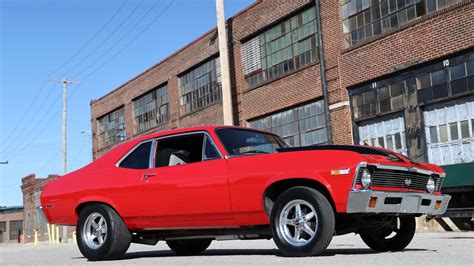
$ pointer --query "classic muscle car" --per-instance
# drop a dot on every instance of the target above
(191, 186)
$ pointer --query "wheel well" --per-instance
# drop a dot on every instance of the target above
(276, 189)
(81, 206)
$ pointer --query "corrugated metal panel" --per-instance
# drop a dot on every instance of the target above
(251, 55)
(388, 133)
(449, 132)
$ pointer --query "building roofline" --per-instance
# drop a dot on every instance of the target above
(174, 53)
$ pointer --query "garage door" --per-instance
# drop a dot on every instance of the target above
(387, 133)
(449, 132)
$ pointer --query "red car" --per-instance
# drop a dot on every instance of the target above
(191, 186)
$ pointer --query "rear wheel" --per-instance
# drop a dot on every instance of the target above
(189, 246)
(302, 222)
(101, 233)
(394, 237)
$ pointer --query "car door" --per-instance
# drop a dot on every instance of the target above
(125, 180)
(189, 182)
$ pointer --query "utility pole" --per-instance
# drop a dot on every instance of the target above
(224, 60)
(65, 82)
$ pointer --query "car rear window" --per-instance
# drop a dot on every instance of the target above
(139, 158)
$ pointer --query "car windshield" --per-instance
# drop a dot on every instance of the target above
(247, 142)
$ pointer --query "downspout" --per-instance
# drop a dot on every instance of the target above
(322, 67)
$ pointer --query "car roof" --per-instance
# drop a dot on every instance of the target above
(210, 128)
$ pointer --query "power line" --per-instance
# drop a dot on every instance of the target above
(26, 144)
(25, 113)
(121, 38)
(20, 135)
(104, 41)
(40, 90)
(131, 41)
(92, 38)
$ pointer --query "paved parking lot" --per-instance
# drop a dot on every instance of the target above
(426, 248)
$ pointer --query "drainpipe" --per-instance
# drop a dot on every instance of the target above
(322, 66)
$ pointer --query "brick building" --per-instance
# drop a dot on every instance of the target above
(11, 224)
(398, 73)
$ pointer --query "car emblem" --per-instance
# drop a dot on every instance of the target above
(407, 182)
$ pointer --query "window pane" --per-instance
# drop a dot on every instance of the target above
(381, 142)
(438, 77)
(454, 131)
(389, 142)
(138, 158)
(210, 151)
(457, 72)
(470, 67)
(465, 129)
(433, 134)
(398, 141)
(423, 81)
(179, 150)
(443, 133)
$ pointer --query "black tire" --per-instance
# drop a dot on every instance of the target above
(404, 231)
(116, 241)
(189, 246)
(324, 225)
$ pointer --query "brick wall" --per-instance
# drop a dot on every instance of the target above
(433, 36)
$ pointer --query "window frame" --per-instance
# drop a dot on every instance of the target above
(154, 94)
(283, 67)
(214, 86)
(206, 135)
(117, 164)
(123, 131)
(151, 163)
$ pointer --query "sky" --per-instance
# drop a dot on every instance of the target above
(102, 43)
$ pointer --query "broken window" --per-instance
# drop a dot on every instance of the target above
(300, 126)
(200, 87)
(112, 128)
(151, 110)
(281, 49)
(364, 19)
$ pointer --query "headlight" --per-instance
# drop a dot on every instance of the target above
(366, 179)
(430, 186)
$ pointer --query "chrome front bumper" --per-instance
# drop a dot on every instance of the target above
(396, 202)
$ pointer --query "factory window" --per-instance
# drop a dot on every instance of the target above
(300, 126)
(285, 47)
(442, 83)
(379, 100)
(364, 19)
(151, 109)
(16, 228)
(200, 87)
(112, 128)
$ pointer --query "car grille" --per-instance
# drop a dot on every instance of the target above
(397, 179)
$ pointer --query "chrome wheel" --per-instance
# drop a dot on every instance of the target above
(95, 230)
(298, 222)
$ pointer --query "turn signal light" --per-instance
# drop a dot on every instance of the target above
(437, 204)
(372, 202)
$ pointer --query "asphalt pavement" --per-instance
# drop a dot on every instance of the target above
(426, 249)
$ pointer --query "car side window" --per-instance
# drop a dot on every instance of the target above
(139, 158)
(179, 150)
(210, 152)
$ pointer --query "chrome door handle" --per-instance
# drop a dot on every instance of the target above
(146, 176)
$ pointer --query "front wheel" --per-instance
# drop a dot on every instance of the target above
(394, 237)
(101, 233)
(189, 246)
(302, 222)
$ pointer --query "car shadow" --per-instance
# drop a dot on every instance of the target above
(251, 252)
